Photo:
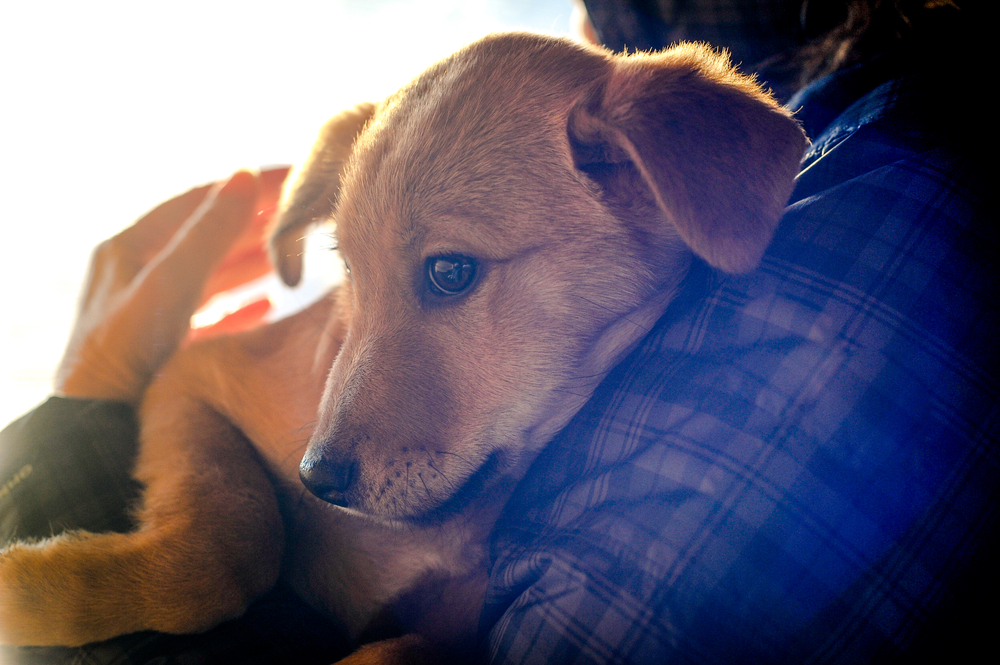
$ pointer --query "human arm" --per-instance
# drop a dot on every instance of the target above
(144, 284)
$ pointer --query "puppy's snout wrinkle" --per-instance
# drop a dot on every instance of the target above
(328, 476)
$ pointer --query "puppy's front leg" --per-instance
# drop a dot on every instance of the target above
(209, 540)
(406, 650)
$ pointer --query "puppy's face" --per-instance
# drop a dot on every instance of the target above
(507, 242)
(484, 279)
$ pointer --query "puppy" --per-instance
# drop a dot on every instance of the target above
(512, 223)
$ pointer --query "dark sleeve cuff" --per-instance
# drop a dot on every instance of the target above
(67, 465)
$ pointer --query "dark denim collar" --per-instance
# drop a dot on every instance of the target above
(826, 102)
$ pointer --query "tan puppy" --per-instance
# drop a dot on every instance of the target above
(513, 220)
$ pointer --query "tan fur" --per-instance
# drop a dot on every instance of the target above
(583, 183)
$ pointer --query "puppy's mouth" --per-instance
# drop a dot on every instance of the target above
(474, 488)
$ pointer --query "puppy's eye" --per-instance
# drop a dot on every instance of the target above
(450, 275)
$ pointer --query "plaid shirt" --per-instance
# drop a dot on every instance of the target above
(796, 463)
(794, 466)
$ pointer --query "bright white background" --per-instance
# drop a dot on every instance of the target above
(109, 107)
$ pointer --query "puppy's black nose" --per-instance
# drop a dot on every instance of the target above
(327, 478)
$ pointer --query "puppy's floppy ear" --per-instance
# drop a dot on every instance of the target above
(716, 154)
(312, 192)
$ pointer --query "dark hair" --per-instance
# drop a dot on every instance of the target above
(842, 33)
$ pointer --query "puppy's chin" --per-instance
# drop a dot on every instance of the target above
(474, 489)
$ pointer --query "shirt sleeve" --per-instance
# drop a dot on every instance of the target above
(796, 464)
(67, 465)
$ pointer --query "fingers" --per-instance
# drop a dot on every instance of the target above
(214, 227)
(153, 314)
(271, 180)
(151, 233)
(236, 270)
(146, 282)
(175, 278)
(248, 258)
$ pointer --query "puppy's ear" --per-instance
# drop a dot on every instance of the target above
(683, 130)
(312, 191)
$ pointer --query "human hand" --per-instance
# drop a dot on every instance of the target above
(144, 284)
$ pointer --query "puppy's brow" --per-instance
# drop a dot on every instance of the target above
(411, 236)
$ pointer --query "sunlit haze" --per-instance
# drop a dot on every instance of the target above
(110, 107)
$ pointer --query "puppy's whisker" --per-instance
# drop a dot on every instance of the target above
(571, 392)
(640, 326)
(296, 451)
(461, 457)
(430, 463)
(424, 483)
(306, 427)
(584, 381)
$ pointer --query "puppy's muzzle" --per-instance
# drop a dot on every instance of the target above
(327, 475)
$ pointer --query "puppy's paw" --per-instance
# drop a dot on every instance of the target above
(406, 650)
(81, 587)
(35, 609)
(78, 588)
(19, 613)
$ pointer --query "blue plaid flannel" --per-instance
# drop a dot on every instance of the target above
(796, 463)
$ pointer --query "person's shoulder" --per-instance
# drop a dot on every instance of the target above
(882, 125)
